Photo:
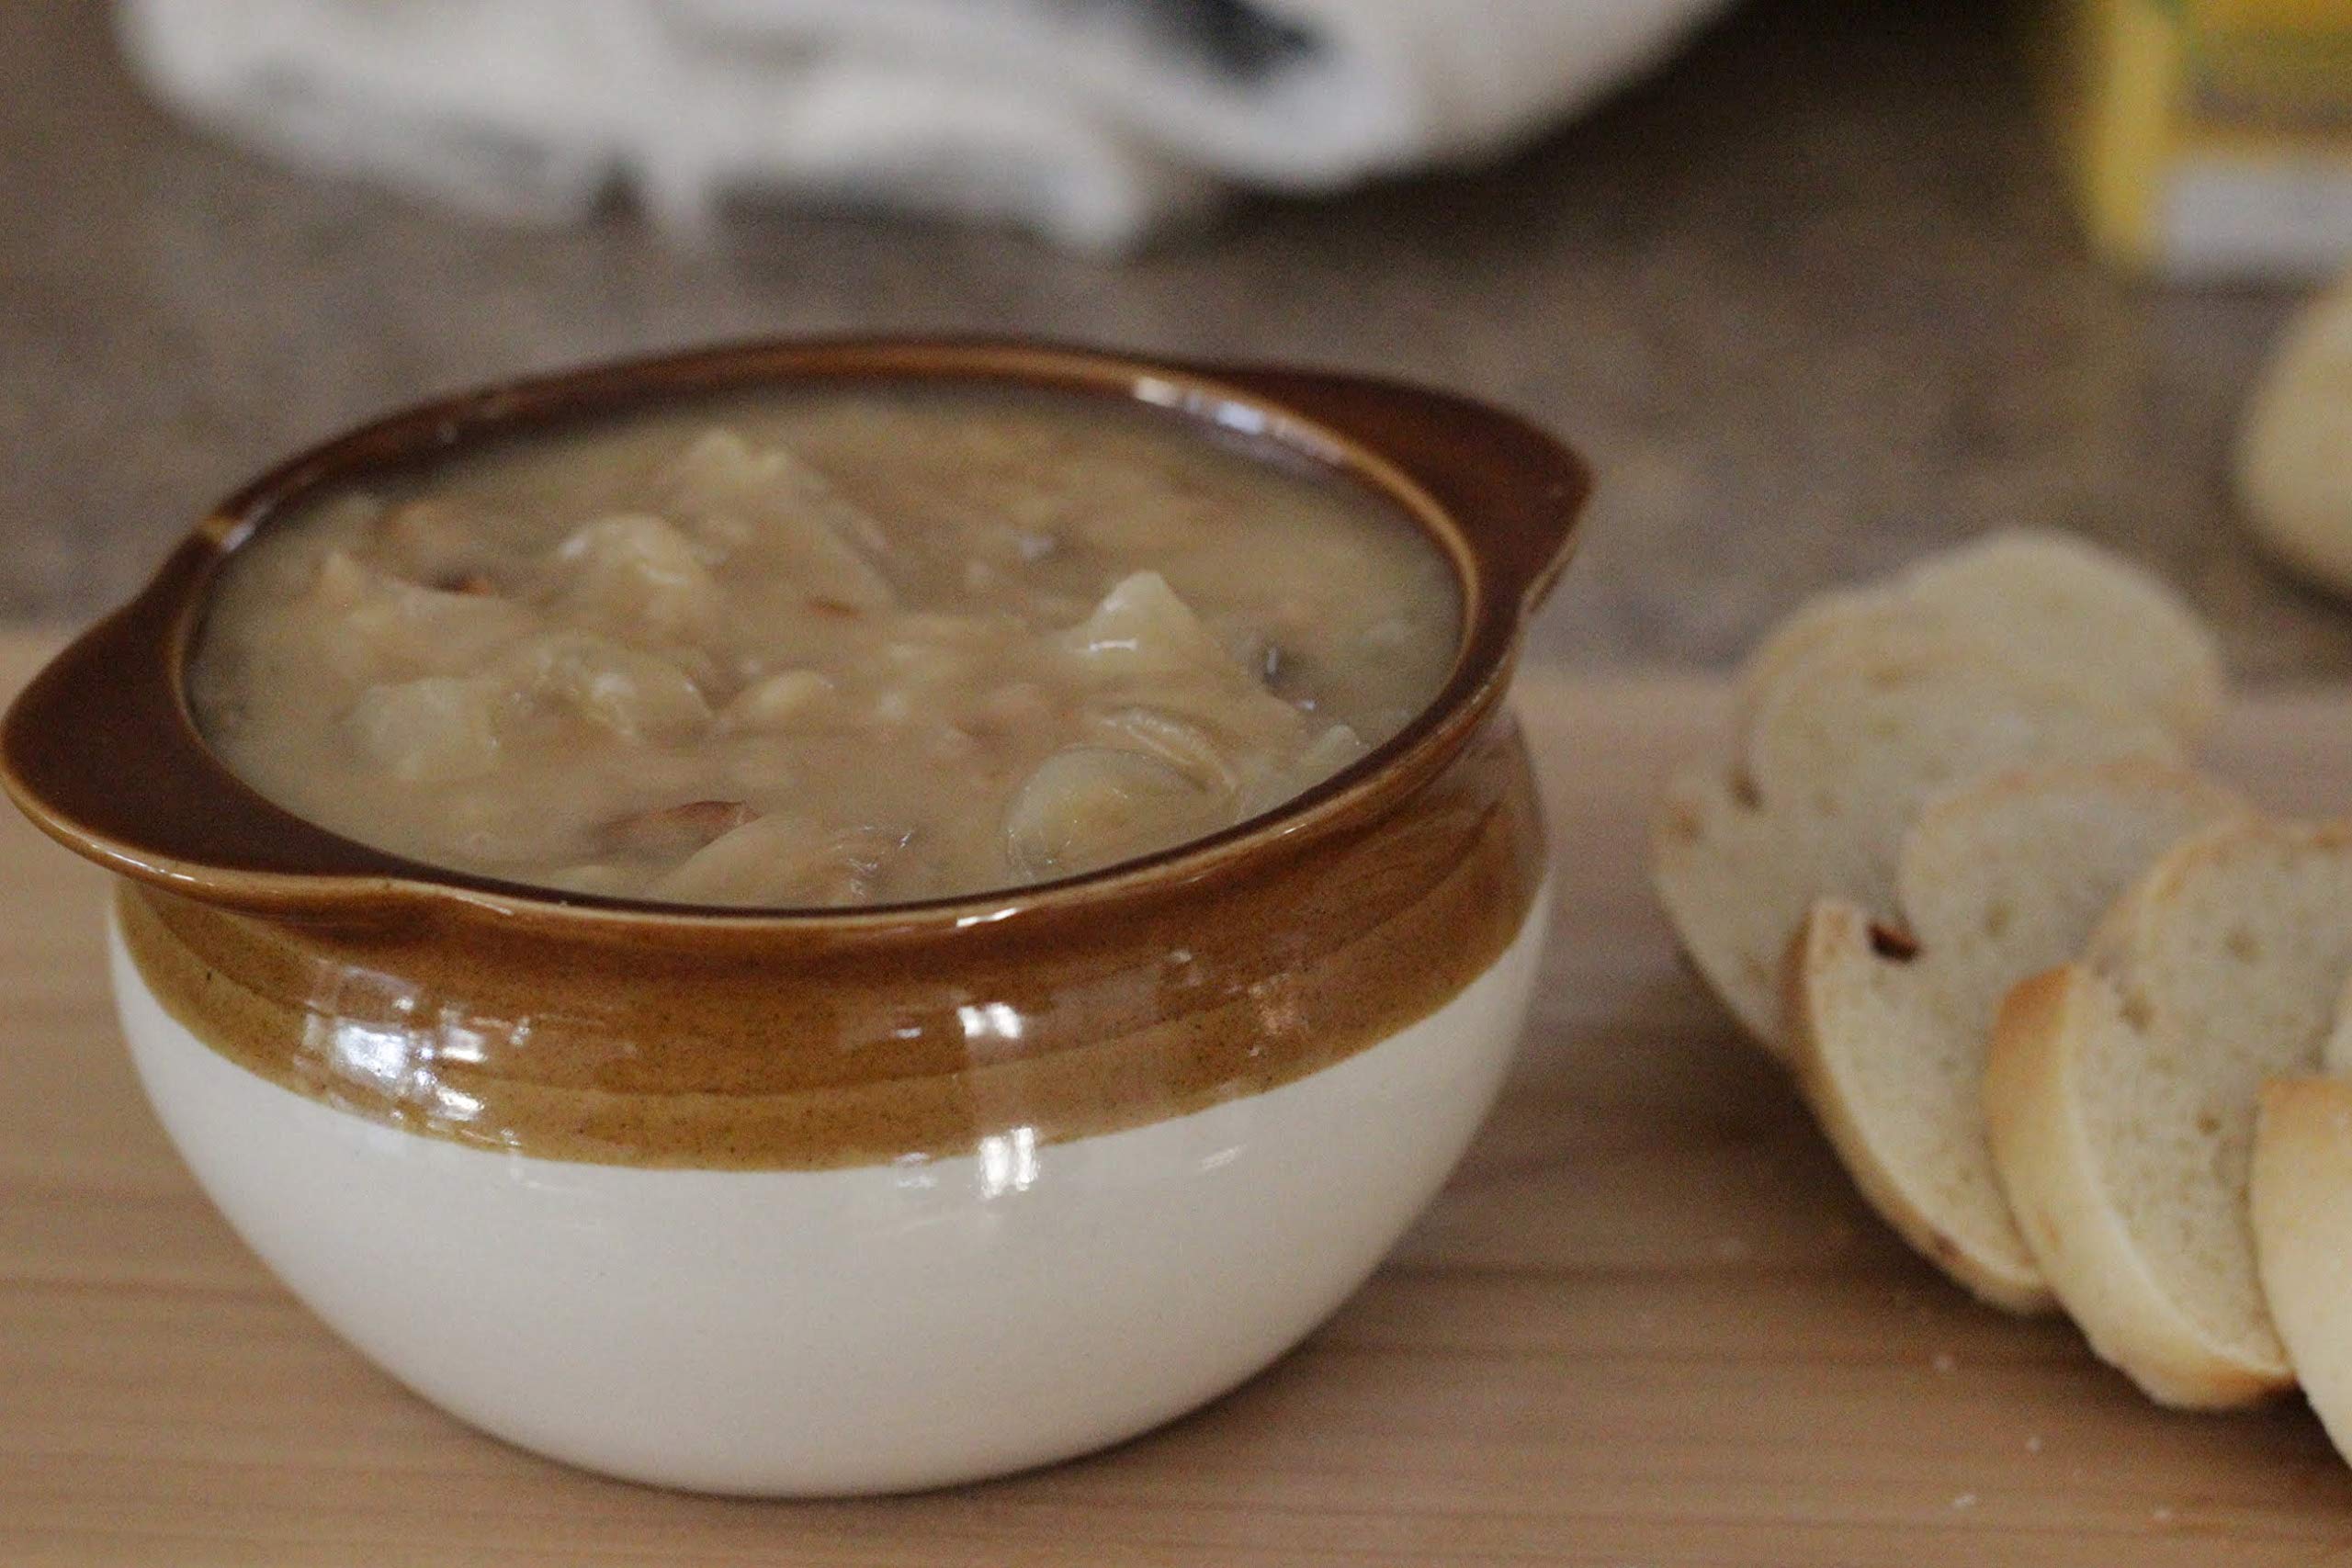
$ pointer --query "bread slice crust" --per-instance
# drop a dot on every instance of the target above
(2294, 489)
(1846, 748)
(2021, 646)
(2121, 1100)
(2301, 1196)
(1995, 1268)
(2048, 596)
(1890, 1028)
(2051, 1169)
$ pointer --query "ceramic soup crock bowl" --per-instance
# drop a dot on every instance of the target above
(832, 1201)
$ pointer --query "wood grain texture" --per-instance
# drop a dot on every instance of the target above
(1648, 1322)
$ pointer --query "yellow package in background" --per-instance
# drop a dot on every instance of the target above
(2208, 139)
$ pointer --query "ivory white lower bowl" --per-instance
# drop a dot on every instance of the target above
(875, 1329)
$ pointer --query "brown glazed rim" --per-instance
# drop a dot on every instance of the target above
(102, 752)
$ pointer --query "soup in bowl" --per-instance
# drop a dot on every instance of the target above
(829, 917)
(842, 646)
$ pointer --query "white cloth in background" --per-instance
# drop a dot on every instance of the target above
(1093, 121)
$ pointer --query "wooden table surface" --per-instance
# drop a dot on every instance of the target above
(1647, 1324)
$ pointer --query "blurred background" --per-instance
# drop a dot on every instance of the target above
(1812, 282)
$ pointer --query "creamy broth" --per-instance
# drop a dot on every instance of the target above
(823, 649)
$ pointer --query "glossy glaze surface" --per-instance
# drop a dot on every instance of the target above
(873, 1328)
(792, 1047)
(597, 1028)
(593, 1027)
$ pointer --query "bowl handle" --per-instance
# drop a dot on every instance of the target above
(100, 752)
(1516, 492)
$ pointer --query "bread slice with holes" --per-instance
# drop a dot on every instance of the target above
(2045, 598)
(2019, 648)
(1841, 751)
(1890, 1027)
(2299, 1196)
(2119, 1099)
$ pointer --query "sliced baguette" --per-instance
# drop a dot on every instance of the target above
(2061, 601)
(2045, 598)
(1995, 882)
(2301, 1198)
(1869, 699)
(2294, 483)
(2119, 1099)
(1733, 877)
(1843, 750)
